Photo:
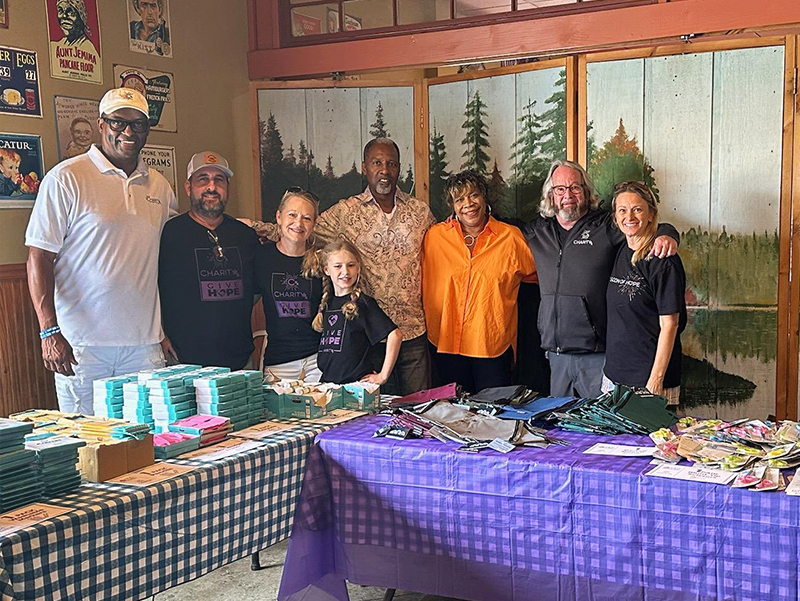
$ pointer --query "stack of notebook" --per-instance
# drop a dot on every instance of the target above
(136, 404)
(107, 395)
(168, 445)
(210, 428)
(621, 411)
(171, 400)
(256, 399)
(109, 429)
(225, 395)
(58, 463)
(19, 478)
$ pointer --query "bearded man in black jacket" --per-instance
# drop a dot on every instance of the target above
(574, 244)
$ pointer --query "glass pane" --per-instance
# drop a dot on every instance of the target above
(314, 20)
(474, 8)
(367, 14)
(422, 11)
(529, 4)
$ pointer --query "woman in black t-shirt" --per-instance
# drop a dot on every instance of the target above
(646, 302)
(290, 291)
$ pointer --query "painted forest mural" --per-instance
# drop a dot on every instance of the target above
(322, 151)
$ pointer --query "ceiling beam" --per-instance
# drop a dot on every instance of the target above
(664, 21)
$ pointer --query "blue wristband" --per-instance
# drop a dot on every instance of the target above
(49, 332)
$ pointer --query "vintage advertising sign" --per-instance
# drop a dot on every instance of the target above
(76, 125)
(21, 169)
(19, 82)
(148, 27)
(159, 89)
(74, 29)
(162, 159)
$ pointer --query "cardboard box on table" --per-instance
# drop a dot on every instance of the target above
(310, 406)
(357, 396)
(101, 460)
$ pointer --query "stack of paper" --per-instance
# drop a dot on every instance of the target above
(172, 444)
(107, 395)
(256, 399)
(225, 395)
(58, 463)
(19, 478)
(210, 428)
(109, 429)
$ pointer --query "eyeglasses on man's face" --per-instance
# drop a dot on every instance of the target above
(139, 126)
(561, 190)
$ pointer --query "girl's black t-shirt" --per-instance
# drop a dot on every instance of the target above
(290, 304)
(636, 296)
(345, 343)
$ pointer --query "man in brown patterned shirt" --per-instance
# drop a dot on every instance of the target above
(387, 226)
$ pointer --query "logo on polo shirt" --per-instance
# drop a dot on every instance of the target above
(584, 239)
(152, 200)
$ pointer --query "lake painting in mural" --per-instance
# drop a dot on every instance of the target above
(508, 127)
(684, 124)
(314, 138)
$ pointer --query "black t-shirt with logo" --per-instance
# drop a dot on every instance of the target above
(345, 343)
(207, 299)
(290, 304)
(636, 296)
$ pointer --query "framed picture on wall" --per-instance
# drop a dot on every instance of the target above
(21, 170)
(4, 13)
(76, 125)
(74, 30)
(148, 27)
(19, 83)
(159, 89)
(162, 159)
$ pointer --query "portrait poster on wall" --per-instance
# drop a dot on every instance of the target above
(19, 83)
(21, 169)
(4, 14)
(162, 159)
(76, 125)
(159, 89)
(148, 27)
(74, 29)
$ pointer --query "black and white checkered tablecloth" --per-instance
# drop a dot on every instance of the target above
(127, 542)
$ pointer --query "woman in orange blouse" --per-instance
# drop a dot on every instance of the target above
(472, 266)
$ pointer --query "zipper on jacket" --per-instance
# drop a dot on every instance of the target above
(555, 297)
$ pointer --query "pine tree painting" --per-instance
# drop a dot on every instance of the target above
(529, 164)
(438, 174)
(475, 135)
(619, 160)
(378, 129)
(554, 122)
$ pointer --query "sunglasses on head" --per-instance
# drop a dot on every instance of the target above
(301, 192)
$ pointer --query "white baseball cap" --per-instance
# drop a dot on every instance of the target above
(123, 98)
(208, 159)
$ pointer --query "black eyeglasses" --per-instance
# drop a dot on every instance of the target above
(139, 126)
(301, 192)
(216, 247)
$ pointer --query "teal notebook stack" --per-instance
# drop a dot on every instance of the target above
(19, 476)
(171, 400)
(107, 395)
(136, 404)
(256, 406)
(224, 395)
(58, 463)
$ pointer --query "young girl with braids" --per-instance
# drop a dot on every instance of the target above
(351, 322)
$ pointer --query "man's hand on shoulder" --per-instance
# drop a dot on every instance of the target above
(57, 354)
(664, 246)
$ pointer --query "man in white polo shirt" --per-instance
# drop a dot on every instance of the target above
(93, 243)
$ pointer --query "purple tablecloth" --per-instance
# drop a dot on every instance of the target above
(550, 524)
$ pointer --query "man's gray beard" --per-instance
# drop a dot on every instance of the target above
(383, 189)
(199, 207)
(572, 214)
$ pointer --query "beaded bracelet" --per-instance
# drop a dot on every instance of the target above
(49, 332)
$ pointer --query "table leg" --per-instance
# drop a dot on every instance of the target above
(255, 562)
(389, 595)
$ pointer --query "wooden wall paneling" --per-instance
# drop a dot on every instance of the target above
(582, 132)
(421, 142)
(573, 121)
(615, 28)
(790, 236)
(24, 381)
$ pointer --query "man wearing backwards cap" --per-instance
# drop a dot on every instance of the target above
(206, 272)
(93, 256)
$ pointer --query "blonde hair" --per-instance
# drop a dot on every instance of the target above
(9, 155)
(646, 194)
(350, 308)
(547, 206)
(309, 269)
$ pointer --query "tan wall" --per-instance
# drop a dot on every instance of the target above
(209, 42)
